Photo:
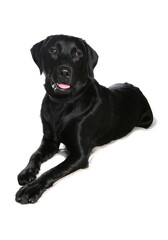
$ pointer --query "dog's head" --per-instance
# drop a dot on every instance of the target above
(67, 63)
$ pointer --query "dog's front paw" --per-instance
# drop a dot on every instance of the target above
(30, 193)
(27, 175)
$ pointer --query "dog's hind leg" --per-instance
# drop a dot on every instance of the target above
(146, 117)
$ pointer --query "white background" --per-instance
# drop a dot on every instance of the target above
(124, 192)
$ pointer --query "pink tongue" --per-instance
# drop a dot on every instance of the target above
(63, 86)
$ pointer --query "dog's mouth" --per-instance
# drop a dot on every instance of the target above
(60, 86)
(63, 86)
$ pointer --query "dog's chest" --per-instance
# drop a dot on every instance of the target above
(58, 116)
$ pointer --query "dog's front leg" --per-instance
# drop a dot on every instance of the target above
(31, 192)
(46, 150)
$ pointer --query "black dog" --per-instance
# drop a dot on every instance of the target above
(77, 111)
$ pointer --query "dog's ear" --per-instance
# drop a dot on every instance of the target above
(37, 54)
(92, 59)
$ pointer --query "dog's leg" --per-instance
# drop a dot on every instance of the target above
(31, 192)
(46, 150)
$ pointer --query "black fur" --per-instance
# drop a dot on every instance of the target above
(77, 111)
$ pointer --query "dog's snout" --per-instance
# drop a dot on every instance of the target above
(64, 72)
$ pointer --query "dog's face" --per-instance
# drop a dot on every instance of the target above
(67, 63)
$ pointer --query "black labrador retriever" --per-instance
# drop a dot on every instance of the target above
(77, 111)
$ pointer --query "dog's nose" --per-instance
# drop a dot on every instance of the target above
(64, 72)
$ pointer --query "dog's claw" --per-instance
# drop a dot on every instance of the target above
(32, 178)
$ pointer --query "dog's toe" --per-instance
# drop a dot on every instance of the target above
(29, 193)
(26, 176)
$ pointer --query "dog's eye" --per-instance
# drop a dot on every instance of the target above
(76, 54)
(53, 50)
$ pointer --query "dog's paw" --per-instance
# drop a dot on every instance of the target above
(27, 175)
(30, 193)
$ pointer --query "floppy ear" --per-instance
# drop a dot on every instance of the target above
(36, 52)
(92, 58)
